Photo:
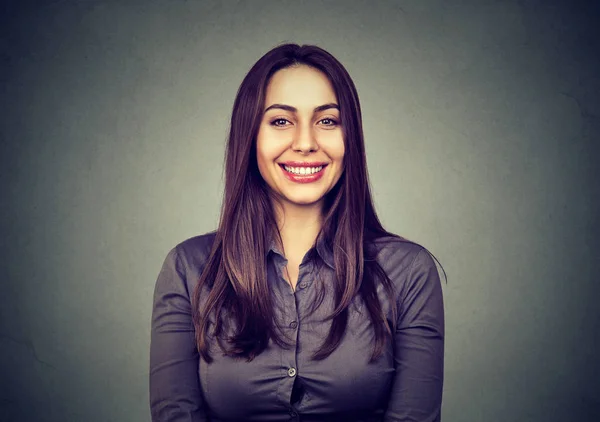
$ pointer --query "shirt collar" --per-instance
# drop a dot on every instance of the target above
(323, 249)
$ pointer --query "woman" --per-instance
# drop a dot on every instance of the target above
(300, 306)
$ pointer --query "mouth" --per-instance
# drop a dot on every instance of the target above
(304, 174)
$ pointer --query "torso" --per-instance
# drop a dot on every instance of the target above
(292, 271)
(295, 247)
(345, 383)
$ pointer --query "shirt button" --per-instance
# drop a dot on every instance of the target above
(303, 285)
(293, 414)
(291, 372)
(293, 324)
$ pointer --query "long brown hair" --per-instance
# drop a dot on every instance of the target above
(236, 270)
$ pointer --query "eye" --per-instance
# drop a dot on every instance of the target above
(328, 122)
(279, 122)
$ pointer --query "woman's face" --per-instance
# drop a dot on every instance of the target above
(300, 145)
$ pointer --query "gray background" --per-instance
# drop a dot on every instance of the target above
(481, 121)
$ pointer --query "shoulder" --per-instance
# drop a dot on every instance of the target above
(397, 249)
(184, 264)
(192, 253)
(197, 245)
(401, 259)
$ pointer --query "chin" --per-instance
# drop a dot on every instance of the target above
(304, 200)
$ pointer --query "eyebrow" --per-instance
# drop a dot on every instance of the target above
(294, 109)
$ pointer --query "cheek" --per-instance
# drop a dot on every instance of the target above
(268, 149)
(261, 149)
(333, 145)
(260, 154)
(339, 150)
(339, 156)
(266, 154)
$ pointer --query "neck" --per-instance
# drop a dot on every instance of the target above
(299, 225)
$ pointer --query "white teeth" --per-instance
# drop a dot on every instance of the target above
(303, 170)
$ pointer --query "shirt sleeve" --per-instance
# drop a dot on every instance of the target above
(416, 394)
(175, 394)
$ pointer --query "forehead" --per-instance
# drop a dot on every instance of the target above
(298, 86)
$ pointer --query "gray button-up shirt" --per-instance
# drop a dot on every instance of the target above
(404, 384)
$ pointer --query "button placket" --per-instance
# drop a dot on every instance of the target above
(290, 314)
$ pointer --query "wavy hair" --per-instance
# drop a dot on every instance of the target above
(236, 270)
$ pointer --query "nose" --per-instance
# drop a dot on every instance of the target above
(304, 139)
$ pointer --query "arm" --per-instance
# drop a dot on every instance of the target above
(416, 394)
(175, 394)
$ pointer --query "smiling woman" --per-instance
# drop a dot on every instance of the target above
(300, 144)
(300, 306)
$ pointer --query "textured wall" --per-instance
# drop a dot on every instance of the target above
(482, 120)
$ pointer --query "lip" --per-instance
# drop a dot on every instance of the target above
(297, 178)
(304, 163)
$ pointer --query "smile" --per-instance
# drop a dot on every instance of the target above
(302, 170)
(303, 174)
